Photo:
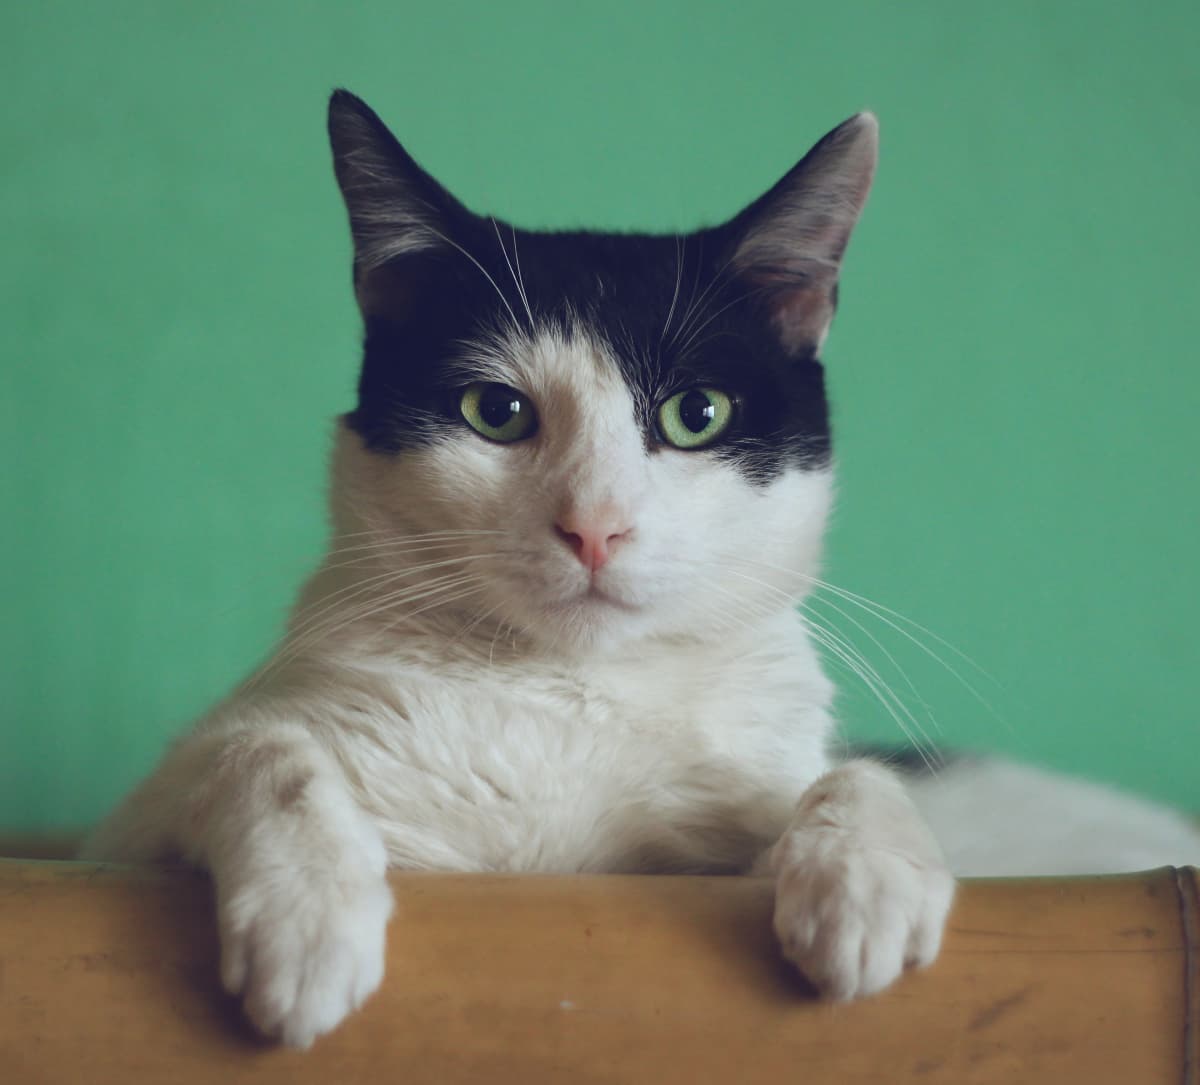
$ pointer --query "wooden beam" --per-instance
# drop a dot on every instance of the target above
(109, 975)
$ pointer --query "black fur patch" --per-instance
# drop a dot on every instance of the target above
(617, 289)
(912, 759)
(673, 310)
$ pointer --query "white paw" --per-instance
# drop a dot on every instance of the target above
(304, 947)
(862, 891)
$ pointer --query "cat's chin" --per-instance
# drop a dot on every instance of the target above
(592, 620)
(597, 600)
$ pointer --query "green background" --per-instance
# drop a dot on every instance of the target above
(1013, 365)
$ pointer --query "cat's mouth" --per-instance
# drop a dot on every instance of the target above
(599, 595)
(594, 596)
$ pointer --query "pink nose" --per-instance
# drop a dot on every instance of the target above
(593, 538)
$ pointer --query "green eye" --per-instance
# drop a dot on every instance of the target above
(498, 412)
(695, 418)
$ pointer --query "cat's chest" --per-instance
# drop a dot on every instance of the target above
(689, 761)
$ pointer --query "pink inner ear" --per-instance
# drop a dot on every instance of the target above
(795, 262)
(794, 237)
(387, 290)
(801, 301)
(802, 315)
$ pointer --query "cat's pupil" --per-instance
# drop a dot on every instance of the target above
(696, 411)
(497, 406)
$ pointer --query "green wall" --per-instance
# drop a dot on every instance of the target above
(1014, 363)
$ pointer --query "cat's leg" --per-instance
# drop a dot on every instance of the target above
(299, 868)
(862, 890)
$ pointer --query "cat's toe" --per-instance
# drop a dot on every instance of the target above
(851, 917)
(302, 961)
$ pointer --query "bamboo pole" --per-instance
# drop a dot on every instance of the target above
(109, 975)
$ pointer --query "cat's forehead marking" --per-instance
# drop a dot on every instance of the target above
(569, 373)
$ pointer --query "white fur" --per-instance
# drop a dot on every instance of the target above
(475, 702)
(456, 693)
(995, 818)
(863, 890)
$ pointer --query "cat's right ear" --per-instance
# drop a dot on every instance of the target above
(791, 241)
(396, 209)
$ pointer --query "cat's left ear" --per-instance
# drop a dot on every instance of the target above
(790, 242)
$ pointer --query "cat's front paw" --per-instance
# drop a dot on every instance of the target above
(858, 899)
(303, 948)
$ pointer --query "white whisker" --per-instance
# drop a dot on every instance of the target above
(862, 669)
(482, 271)
(442, 601)
(516, 281)
(679, 250)
(336, 613)
(691, 341)
(845, 651)
(886, 615)
(474, 623)
(882, 648)
(696, 308)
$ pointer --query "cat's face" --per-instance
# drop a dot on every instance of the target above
(593, 438)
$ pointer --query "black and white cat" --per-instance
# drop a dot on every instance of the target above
(575, 508)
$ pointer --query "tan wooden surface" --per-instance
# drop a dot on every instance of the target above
(109, 975)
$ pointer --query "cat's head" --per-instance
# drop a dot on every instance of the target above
(593, 438)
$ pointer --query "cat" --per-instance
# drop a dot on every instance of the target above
(575, 508)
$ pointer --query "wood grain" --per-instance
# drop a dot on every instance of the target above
(109, 975)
